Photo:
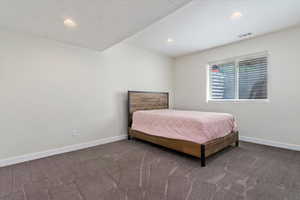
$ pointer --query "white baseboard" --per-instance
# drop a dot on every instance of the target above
(43, 154)
(75, 147)
(271, 143)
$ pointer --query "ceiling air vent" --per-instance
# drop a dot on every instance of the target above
(245, 35)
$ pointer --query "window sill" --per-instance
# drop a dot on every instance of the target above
(238, 101)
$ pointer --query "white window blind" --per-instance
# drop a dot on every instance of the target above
(223, 81)
(239, 79)
(253, 78)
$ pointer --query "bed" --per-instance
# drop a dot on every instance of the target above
(199, 134)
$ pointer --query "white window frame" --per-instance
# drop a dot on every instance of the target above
(236, 60)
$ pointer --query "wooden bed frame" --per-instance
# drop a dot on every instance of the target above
(140, 100)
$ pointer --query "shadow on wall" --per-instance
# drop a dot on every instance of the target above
(121, 101)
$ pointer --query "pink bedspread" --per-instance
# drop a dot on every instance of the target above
(195, 126)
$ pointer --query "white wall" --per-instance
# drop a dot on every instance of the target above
(277, 120)
(47, 89)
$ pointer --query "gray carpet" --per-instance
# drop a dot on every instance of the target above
(134, 170)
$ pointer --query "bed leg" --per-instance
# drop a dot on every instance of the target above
(203, 159)
(237, 143)
(128, 134)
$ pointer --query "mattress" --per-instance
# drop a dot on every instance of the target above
(195, 126)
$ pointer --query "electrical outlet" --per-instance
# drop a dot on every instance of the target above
(75, 133)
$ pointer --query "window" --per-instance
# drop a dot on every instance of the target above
(239, 78)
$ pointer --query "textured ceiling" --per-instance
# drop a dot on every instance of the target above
(204, 24)
(101, 23)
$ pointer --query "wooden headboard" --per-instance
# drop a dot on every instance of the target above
(140, 100)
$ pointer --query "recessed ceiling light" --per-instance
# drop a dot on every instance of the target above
(236, 15)
(170, 40)
(70, 23)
